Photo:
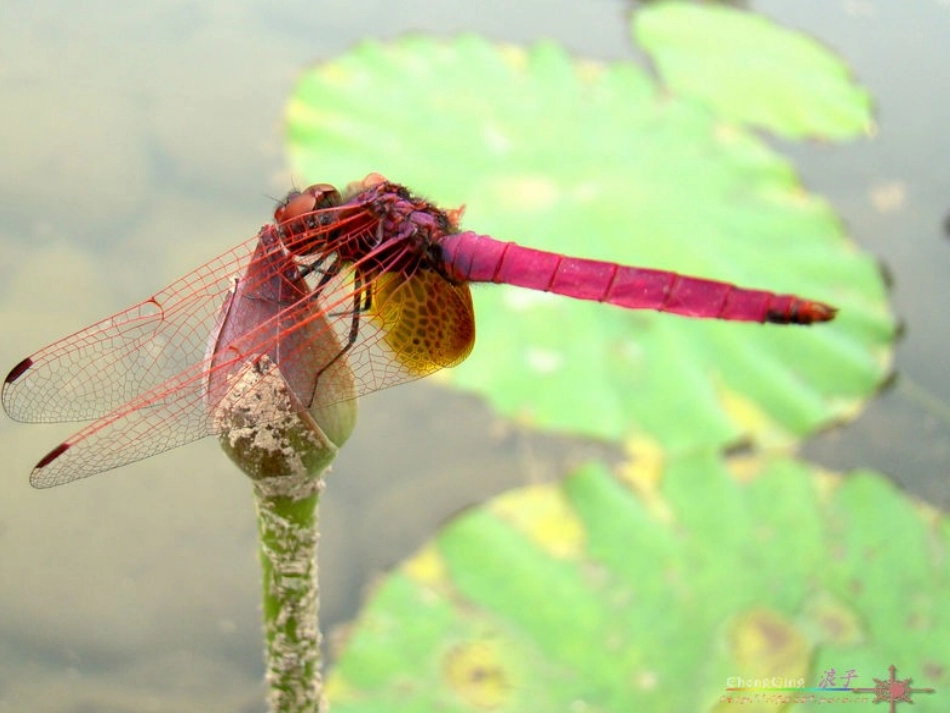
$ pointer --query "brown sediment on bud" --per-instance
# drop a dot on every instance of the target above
(269, 435)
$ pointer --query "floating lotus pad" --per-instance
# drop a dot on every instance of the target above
(614, 595)
(600, 161)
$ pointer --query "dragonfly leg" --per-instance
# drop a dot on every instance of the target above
(362, 302)
(316, 266)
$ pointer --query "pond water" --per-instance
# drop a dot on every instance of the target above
(141, 140)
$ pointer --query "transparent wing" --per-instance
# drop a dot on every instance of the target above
(96, 370)
(385, 327)
(150, 424)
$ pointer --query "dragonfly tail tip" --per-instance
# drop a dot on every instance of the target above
(803, 312)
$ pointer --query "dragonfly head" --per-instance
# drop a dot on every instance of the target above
(298, 204)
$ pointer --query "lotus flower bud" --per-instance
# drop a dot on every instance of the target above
(281, 392)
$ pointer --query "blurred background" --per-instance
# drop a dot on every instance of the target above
(140, 141)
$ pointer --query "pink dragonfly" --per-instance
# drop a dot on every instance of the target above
(377, 273)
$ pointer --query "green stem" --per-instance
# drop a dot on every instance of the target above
(286, 452)
(288, 546)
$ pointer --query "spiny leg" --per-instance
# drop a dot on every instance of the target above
(362, 302)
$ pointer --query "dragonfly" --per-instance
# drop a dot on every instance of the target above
(373, 278)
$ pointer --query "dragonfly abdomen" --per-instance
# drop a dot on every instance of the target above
(478, 258)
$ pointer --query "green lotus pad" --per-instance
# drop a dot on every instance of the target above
(652, 591)
(598, 161)
(751, 71)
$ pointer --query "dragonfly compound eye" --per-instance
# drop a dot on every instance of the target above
(298, 204)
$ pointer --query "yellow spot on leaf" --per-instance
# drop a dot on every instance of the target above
(746, 468)
(765, 641)
(477, 674)
(427, 566)
(338, 689)
(543, 515)
(643, 472)
(835, 622)
(751, 418)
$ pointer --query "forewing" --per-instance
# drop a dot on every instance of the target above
(267, 312)
(298, 336)
(98, 369)
(145, 373)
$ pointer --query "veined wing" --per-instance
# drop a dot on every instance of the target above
(94, 371)
(392, 342)
(269, 312)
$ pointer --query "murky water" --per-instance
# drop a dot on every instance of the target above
(139, 141)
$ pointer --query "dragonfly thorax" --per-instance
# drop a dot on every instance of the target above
(407, 230)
